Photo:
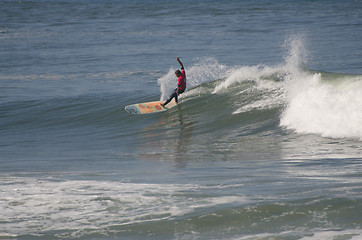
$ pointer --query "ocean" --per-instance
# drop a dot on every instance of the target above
(266, 143)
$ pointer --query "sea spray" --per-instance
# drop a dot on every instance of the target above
(244, 73)
(203, 71)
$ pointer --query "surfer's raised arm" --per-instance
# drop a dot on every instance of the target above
(178, 60)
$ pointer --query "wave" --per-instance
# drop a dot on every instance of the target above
(64, 112)
(219, 97)
(310, 102)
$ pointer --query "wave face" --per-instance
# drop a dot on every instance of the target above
(287, 95)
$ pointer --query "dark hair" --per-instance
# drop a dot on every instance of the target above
(178, 72)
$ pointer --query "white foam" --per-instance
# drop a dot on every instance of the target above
(351, 234)
(31, 206)
(327, 235)
(329, 109)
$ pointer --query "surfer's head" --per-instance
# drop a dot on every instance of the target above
(178, 73)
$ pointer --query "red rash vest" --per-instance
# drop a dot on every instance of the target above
(181, 81)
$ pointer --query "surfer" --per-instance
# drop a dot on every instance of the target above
(181, 84)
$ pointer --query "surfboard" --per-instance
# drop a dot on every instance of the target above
(148, 107)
